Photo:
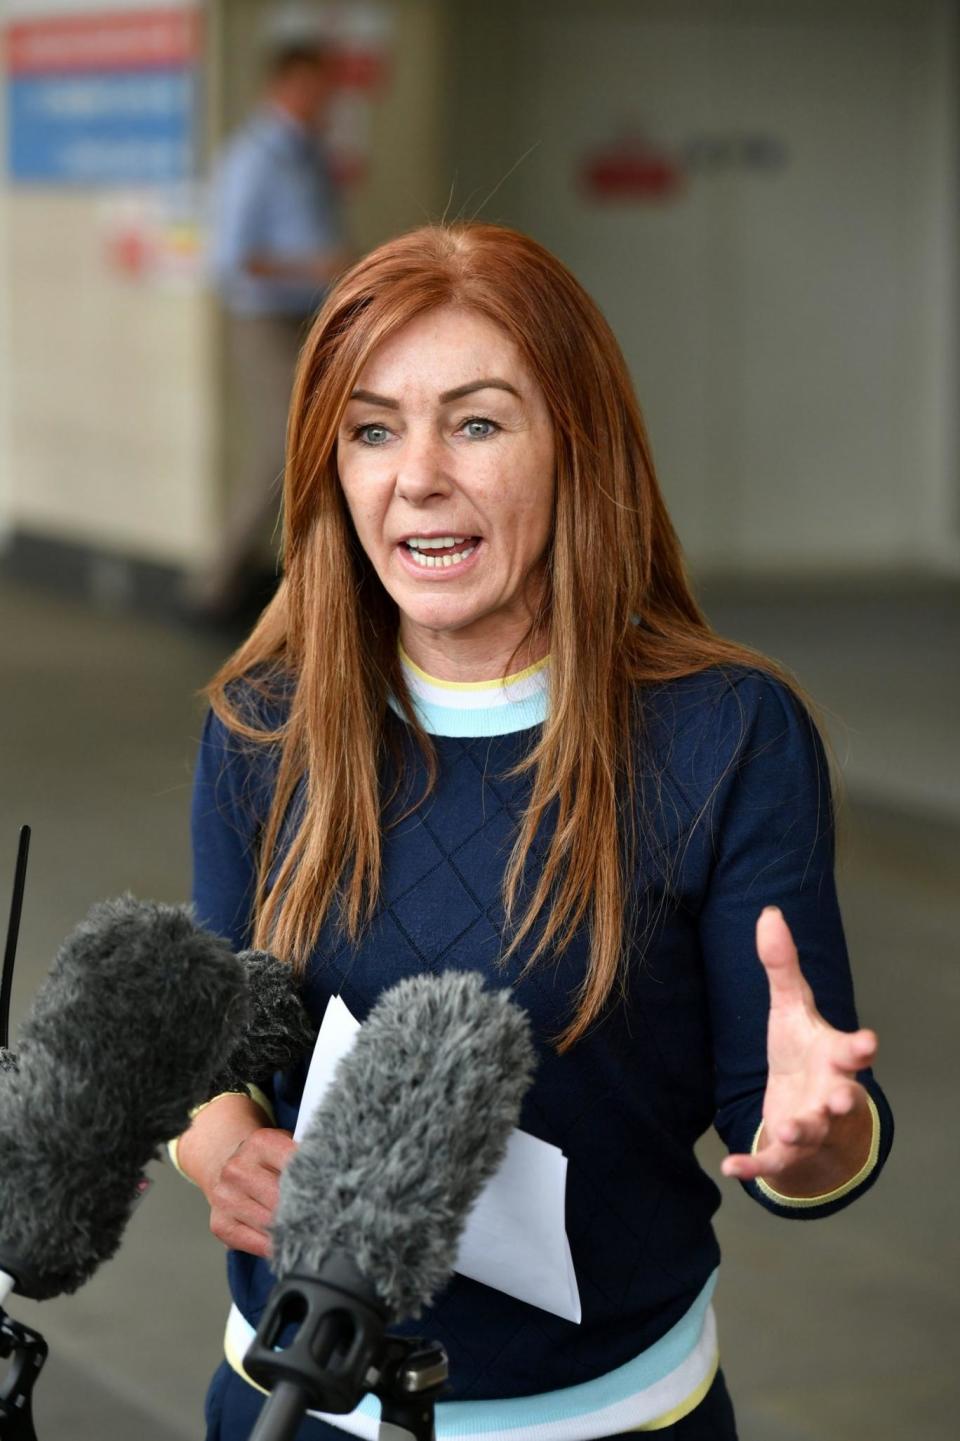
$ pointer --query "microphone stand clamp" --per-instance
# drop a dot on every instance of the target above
(412, 1374)
(29, 1351)
(317, 1344)
(321, 1344)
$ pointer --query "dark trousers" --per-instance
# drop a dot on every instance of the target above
(233, 1406)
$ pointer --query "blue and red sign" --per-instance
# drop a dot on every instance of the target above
(103, 98)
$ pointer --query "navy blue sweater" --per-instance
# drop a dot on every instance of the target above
(738, 816)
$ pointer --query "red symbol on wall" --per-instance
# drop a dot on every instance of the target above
(129, 251)
(632, 169)
(360, 69)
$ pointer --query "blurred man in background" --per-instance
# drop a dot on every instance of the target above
(277, 243)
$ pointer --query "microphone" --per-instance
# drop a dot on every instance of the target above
(374, 1201)
(277, 1030)
(141, 1011)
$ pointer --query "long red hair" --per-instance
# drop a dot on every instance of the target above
(329, 637)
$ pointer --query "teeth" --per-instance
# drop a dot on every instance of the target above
(436, 542)
(442, 560)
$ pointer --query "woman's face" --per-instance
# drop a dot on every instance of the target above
(446, 459)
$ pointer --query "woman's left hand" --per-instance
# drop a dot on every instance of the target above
(817, 1124)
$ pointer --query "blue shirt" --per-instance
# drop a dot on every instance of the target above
(273, 197)
(736, 796)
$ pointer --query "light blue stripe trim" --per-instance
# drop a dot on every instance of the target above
(498, 720)
(570, 1410)
(644, 1370)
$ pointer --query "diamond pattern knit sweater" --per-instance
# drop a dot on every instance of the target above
(737, 804)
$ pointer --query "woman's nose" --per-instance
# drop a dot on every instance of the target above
(421, 468)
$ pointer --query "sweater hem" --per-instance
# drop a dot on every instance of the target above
(654, 1390)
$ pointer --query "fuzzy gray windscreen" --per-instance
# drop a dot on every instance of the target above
(278, 1030)
(139, 1011)
(414, 1124)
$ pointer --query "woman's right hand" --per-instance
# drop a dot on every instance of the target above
(244, 1195)
(237, 1161)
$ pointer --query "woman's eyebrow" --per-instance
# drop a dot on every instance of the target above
(461, 390)
(372, 399)
(458, 392)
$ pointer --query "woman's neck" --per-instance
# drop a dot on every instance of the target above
(449, 656)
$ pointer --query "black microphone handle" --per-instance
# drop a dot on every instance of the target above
(281, 1415)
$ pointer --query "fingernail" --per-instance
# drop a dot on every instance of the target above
(772, 911)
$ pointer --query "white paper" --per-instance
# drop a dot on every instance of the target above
(515, 1239)
(338, 1031)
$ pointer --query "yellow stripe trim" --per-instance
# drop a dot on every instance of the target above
(474, 685)
(684, 1407)
(862, 1174)
(668, 1418)
(235, 1362)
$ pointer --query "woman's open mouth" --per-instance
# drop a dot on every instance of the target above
(439, 552)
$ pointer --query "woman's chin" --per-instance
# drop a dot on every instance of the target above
(437, 615)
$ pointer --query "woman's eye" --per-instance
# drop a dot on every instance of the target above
(371, 434)
(477, 428)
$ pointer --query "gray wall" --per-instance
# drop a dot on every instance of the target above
(788, 310)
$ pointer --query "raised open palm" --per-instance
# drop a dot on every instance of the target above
(816, 1122)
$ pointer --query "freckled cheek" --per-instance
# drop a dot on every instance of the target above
(520, 540)
(374, 528)
(524, 515)
(368, 505)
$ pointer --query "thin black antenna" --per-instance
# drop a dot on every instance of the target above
(13, 932)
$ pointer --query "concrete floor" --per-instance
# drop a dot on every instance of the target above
(835, 1331)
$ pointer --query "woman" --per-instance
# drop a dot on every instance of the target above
(484, 725)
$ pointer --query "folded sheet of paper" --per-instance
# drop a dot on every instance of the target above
(515, 1238)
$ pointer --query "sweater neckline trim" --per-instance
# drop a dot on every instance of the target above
(477, 708)
(475, 687)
